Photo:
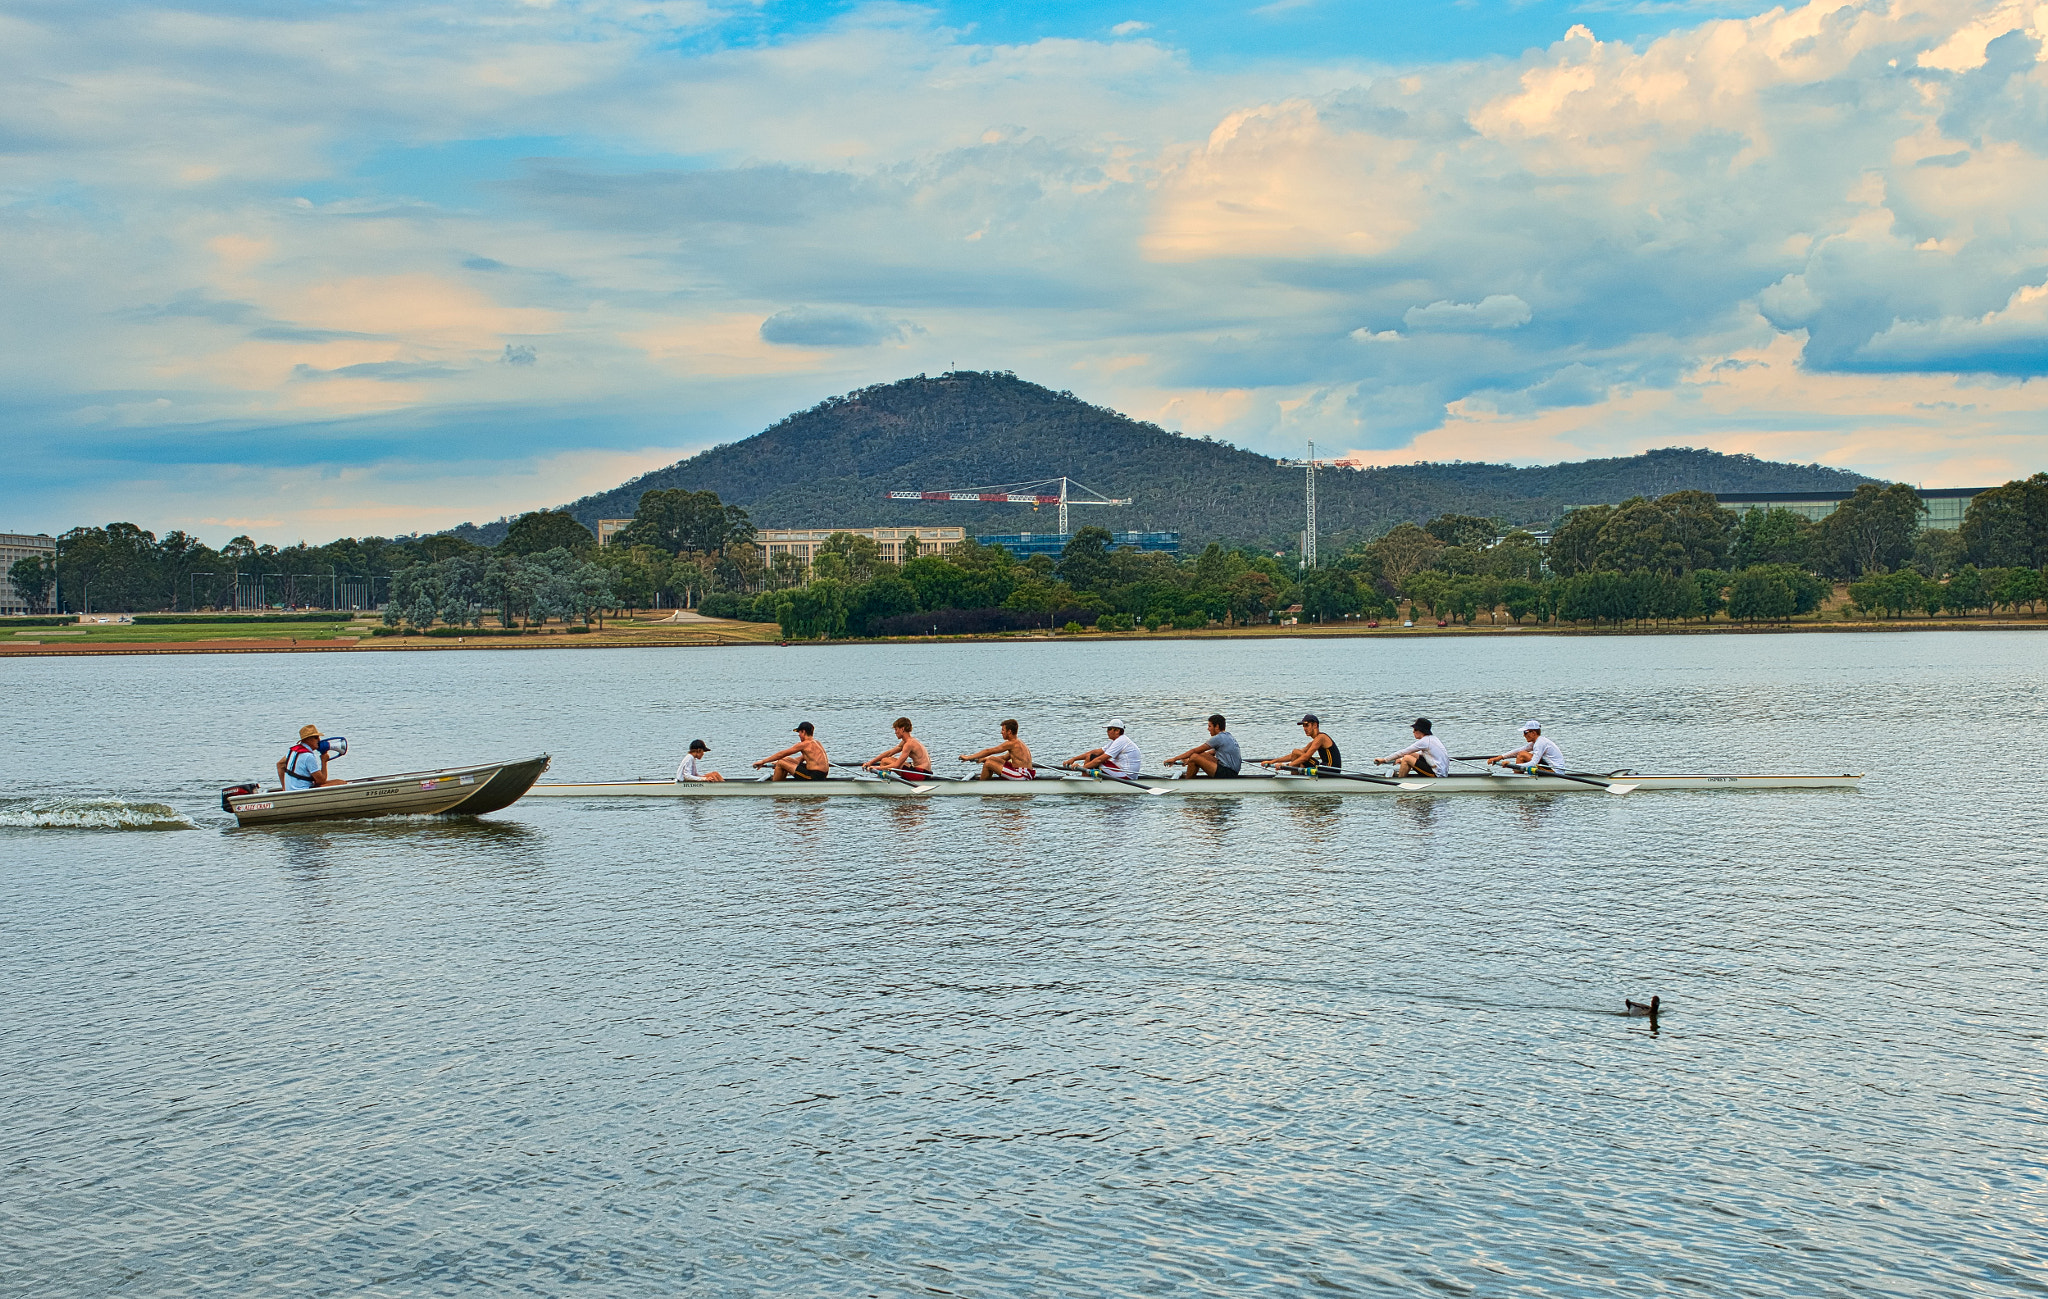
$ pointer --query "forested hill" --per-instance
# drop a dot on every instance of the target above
(830, 465)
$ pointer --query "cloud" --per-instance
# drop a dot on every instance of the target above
(361, 223)
(831, 327)
(1131, 28)
(2012, 340)
(1495, 311)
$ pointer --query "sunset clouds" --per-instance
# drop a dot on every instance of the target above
(392, 266)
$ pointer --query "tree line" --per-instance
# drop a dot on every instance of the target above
(1677, 557)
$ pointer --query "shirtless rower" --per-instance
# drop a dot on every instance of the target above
(1118, 756)
(909, 758)
(1216, 756)
(1537, 753)
(1010, 760)
(804, 760)
(1426, 757)
(1319, 750)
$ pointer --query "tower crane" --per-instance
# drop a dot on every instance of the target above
(1069, 493)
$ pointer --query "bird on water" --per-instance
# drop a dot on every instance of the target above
(1637, 1008)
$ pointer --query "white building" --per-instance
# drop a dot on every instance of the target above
(21, 545)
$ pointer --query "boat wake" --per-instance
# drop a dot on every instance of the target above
(90, 814)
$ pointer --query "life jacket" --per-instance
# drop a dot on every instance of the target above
(290, 772)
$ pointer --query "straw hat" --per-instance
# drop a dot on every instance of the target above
(309, 732)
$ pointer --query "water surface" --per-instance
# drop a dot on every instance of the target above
(1119, 1046)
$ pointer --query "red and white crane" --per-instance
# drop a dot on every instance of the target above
(1070, 493)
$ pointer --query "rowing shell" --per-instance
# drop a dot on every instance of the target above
(1195, 788)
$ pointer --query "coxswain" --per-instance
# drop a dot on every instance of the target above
(1010, 760)
(1538, 753)
(908, 758)
(1118, 756)
(804, 760)
(1426, 757)
(304, 765)
(1318, 750)
(1218, 755)
(691, 770)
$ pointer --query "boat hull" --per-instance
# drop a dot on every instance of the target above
(448, 791)
(1225, 788)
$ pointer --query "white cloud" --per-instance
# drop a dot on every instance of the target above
(366, 217)
(1495, 311)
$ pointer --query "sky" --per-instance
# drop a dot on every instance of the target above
(322, 269)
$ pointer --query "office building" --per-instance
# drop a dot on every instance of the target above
(1026, 544)
(1945, 505)
(804, 542)
(17, 546)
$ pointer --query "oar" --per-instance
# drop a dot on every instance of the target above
(1338, 773)
(1099, 774)
(888, 774)
(1612, 787)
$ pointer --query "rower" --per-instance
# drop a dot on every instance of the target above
(1319, 750)
(1117, 757)
(1216, 756)
(690, 771)
(304, 765)
(1536, 754)
(1426, 757)
(804, 760)
(1010, 760)
(908, 758)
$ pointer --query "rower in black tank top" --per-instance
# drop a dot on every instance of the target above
(1329, 756)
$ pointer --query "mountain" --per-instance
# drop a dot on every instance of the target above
(830, 465)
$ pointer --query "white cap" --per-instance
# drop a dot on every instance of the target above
(1115, 724)
(1532, 726)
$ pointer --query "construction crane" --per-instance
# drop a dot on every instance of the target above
(1070, 493)
(1308, 530)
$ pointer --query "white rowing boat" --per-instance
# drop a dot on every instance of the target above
(1077, 784)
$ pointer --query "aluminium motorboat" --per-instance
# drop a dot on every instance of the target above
(447, 791)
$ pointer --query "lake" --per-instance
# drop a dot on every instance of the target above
(1110, 1046)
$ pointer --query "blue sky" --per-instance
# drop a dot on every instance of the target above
(324, 269)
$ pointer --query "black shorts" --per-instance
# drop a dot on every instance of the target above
(1422, 764)
(1224, 773)
(805, 773)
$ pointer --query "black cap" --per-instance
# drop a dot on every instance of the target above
(1420, 724)
(1308, 718)
(696, 745)
(805, 728)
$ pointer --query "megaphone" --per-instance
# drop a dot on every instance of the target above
(333, 746)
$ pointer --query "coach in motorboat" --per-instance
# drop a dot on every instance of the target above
(1219, 755)
(304, 765)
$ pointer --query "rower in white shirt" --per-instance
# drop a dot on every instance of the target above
(1537, 753)
(1426, 757)
(1118, 757)
(691, 771)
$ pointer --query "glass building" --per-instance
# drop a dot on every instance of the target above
(1026, 544)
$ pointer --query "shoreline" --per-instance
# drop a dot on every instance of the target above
(615, 641)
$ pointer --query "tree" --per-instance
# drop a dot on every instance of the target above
(33, 578)
(1773, 593)
(1965, 592)
(1871, 531)
(2018, 586)
(1575, 542)
(1085, 560)
(1517, 555)
(1462, 529)
(1328, 593)
(1403, 552)
(810, 612)
(1773, 536)
(2008, 526)
(676, 520)
(855, 559)
(545, 530)
(1937, 552)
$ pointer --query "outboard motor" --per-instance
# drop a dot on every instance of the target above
(234, 790)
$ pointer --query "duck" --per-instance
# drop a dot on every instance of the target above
(1637, 1008)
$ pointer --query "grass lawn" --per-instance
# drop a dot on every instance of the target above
(109, 633)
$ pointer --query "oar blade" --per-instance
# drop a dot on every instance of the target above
(1621, 789)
